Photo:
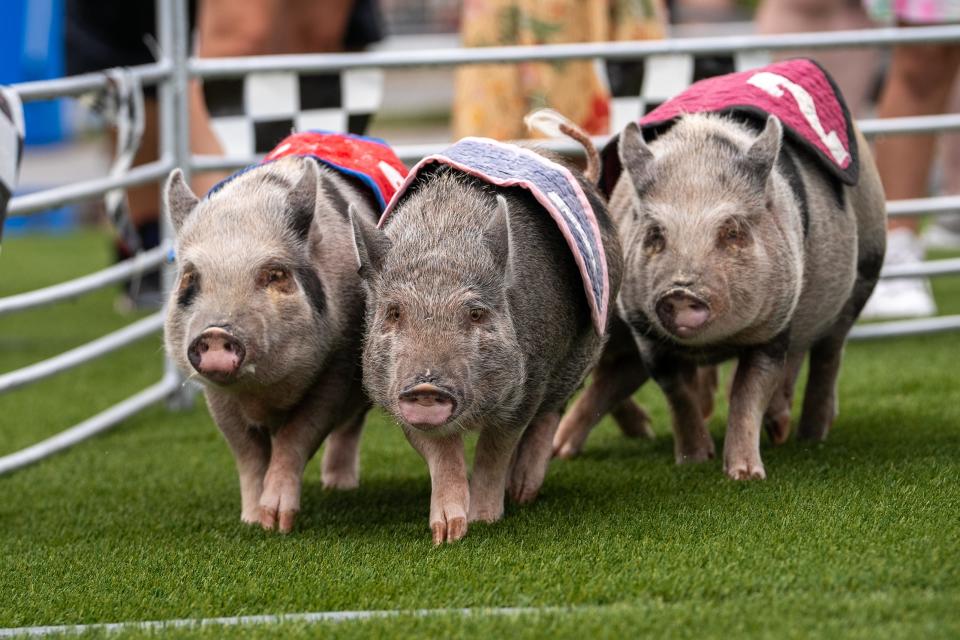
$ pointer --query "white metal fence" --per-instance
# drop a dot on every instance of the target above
(174, 69)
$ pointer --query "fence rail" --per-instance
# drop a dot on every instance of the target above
(78, 191)
(71, 86)
(119, 272)
(172, 72)
(91, 426)
(84, 353)
(632, 50)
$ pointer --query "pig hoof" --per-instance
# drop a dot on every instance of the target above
(275, 518)
(566, 451)
(777, 427)
(694, 455)
(746, 471)
(250, 518)
(268, 518)
(524, 494)
(340, 480)
(287, 518)
(813, 432)
(449, 529)
(525, 485)
(486, 515)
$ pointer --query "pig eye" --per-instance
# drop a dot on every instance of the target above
(654, 239)
(477, 314)
(276, 277)
(733, 234)
(188, 288)
(393, 313)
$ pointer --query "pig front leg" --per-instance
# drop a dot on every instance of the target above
(292, 446)
(491, 466)
(251, 453)
(340, 468)
(680, 384)
(758, 376)
(533, 457)
(449, 492)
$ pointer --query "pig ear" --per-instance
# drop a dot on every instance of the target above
(636, 157)
(370, 244)
(762, 154)
(302, 200)
(178, 199)
(497, 234)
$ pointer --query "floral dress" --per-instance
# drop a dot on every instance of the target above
(491, 100)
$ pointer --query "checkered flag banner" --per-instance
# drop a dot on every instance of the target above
(637, 88)
(250, 115)
(11, 147)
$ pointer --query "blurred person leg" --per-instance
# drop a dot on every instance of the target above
(919, 83)
(944, 231)
(263, 27)
(854, 70)
(101, 34)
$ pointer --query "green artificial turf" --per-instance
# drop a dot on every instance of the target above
(856, 537)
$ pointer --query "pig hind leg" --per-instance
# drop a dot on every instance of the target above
(496, 448)
(618, 374)
(341, 456)
(776, 420)
(707, 382)
(820, 406)
(633, 420)
(692, 441)
(532, 458)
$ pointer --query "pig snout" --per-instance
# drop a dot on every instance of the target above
(216, 354)
(682, 313)
(425, 405)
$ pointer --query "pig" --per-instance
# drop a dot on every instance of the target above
(477, 322)
(737, 244)
(266, 313)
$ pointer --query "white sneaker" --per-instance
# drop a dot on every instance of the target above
(901, 297)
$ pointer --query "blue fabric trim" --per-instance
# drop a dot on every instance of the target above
(364, 178)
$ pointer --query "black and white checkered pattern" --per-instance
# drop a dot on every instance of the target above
(640, 87)
(252, 114)
(11, 148)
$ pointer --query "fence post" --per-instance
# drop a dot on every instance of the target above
(173, 30)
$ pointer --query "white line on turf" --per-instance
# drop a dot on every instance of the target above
(319, 616)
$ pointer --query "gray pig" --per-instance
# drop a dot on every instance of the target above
(737, 245)
(267, 312)
(477, 322)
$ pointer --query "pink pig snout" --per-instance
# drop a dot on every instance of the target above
(426, 406)
(682, 313)
(216, 354)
